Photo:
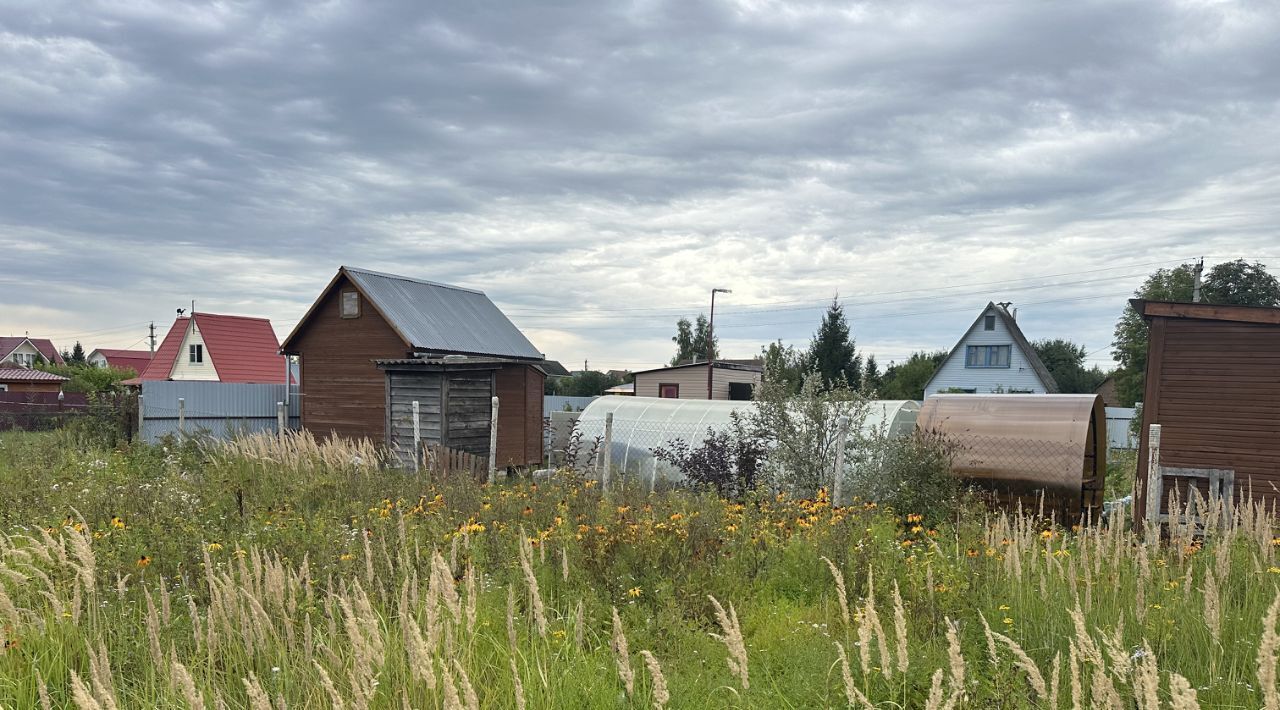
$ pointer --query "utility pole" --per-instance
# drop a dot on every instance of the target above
(1195, 290)
(152, 337)
(711, 339)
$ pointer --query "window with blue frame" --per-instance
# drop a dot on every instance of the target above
(980, 356)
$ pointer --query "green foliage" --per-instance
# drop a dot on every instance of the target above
(832, 353)
(272, 578)
(588, 383)
(1130, 346)
(908, 473)
(783, 365)
(691, 341)
(1066, 362)
(1240, 283)
(907, 380)
(1233, 282)
(871, 377)
(89, 379)
(801, 430)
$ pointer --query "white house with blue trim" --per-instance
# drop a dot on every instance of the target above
(993, 357)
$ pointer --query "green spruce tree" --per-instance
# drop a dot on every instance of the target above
(833, 353)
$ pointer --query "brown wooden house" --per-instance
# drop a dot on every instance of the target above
(373, 341)
(1213, 386)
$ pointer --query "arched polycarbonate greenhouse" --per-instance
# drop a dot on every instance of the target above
(1028, 449)
(642, 424)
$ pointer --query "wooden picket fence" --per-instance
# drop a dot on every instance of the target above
(443, 461)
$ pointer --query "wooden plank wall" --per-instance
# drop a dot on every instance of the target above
(343, 392)
(403, 388)
(469, 398)
(1214, 387)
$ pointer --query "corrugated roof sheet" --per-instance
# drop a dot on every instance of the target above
(243, 349)
(136, 360)
(22, 374)
(9, 343)
(441, 318)
(162, 363)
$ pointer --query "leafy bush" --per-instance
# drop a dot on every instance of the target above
(729, 462)
(909, 473)
(800, 431)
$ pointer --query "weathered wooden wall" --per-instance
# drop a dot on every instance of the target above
(1214, 387)
(470, 398)
(342, 391)
(402, 389)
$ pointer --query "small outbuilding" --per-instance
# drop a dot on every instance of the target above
(373, 342)
(1213, 386)
(728, 381)
(26, 380)
(1025, 448)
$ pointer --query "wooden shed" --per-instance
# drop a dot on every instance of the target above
(1213, 386)
(363, 317)
(454, 399)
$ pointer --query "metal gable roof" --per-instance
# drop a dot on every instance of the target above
(441, 318)
(1020, 340)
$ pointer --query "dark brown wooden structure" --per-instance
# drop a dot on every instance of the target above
(363, 317)
(454, 404)
(1213, 384)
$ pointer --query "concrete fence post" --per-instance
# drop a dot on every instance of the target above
(142, 416)
(182, 415)
(493, 441)
(653, 474)
(837, 484)
(417, 437)
(1154, 482)
(282, 419)
(606, 460)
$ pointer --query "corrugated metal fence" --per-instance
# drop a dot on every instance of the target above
(1119, 435)
(218, 409)
(561, 403)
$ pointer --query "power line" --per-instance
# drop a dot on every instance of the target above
(851, 302)
(113, 329)
(530, 311)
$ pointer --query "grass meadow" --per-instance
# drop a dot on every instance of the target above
(272, 575)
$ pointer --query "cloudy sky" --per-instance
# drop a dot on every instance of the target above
(597, 167)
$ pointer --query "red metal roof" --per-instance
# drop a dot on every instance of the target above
(22, 374)
(10, 343)
(136, 360)
(162, 363)
(241, 348)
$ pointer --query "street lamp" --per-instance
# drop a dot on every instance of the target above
(711, 339)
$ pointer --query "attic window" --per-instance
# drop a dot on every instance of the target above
(195, 354)
(989, 323)
(350, 304)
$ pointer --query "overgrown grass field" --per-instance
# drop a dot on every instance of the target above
(277, 575)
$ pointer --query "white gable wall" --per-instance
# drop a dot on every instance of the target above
(25, 354)
(1018, 376)
(183, 369)
(97, 359)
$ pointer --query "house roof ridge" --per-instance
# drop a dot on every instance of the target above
(398, 277)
